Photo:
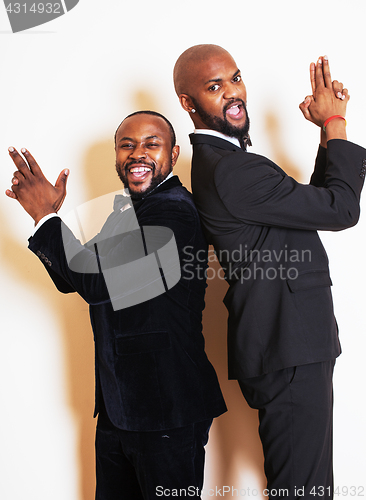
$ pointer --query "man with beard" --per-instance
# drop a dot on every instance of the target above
(156, 391)
(282, 334)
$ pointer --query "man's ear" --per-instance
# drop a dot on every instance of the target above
(186, 102)
(175, 154)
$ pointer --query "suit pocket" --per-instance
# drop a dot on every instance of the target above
(142, 343)
(308, 280)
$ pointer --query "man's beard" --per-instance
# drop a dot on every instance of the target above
(222, 125)
(156, 179)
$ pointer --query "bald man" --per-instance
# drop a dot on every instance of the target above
(282, 334)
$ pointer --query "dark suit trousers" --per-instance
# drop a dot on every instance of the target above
(296, 427)
(149, 465)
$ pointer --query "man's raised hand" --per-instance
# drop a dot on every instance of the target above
(30, 187)
(328, 99)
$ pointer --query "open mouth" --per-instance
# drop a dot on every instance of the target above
(139, 172)
(235, 111)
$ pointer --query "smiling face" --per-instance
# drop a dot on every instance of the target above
(144, 153)
(216, 91)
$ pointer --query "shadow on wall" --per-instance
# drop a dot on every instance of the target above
(238, 445)
(71, 316)
(279, 156)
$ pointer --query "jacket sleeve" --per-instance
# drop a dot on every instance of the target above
(318, 176)
(49, 246)
(53, 243)
(255, 191)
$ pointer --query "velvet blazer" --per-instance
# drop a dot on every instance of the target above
(263, 225)
(151, 367)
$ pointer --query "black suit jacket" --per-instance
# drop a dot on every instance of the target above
(263, 225)
(151, 367)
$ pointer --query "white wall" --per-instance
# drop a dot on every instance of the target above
(65, 86)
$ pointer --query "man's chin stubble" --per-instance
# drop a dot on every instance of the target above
(222, 124)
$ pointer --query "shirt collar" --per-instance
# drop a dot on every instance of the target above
(206, 131)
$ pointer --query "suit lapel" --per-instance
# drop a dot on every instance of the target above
(169, 184)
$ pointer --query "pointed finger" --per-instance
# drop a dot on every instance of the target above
(319, 77)
(19, 162)
(326, 73)
(312, 78)
(33, 165)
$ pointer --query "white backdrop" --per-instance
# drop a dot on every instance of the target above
(65, 86)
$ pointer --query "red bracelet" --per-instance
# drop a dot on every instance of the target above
(332, 118)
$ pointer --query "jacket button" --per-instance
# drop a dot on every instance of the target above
(38, 253)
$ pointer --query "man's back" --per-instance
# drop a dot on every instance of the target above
(279, 299)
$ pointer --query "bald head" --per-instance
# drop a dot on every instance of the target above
(188, 66)
(210, 88)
